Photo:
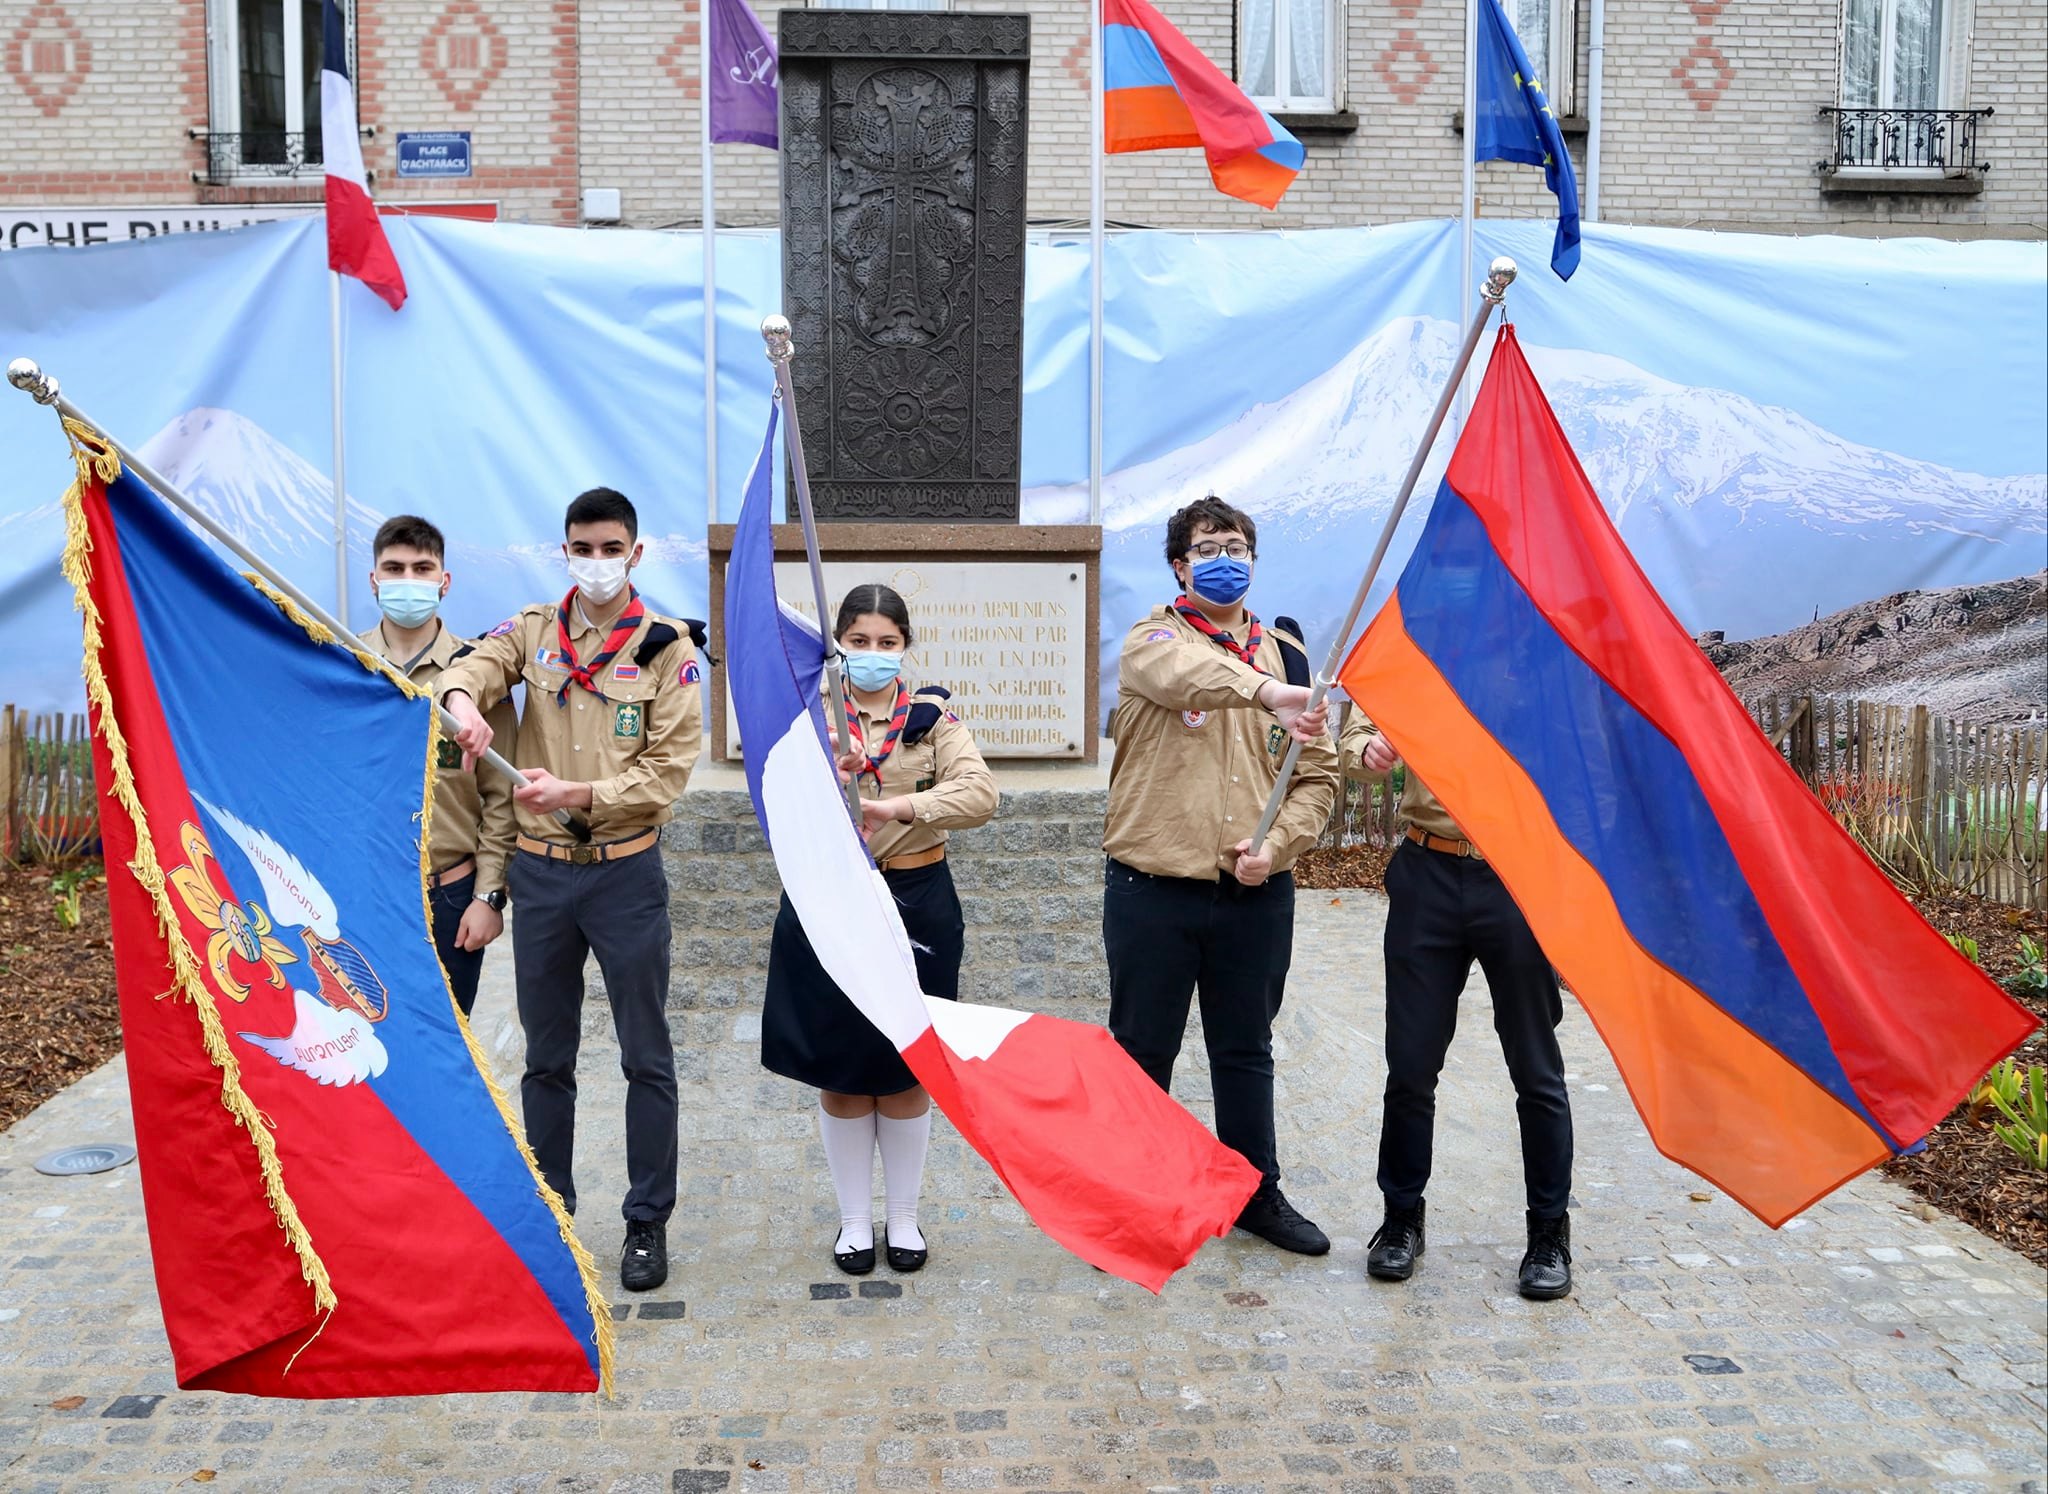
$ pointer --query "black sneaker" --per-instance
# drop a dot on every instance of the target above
(1547, 1268)
(643, 1264)
(1397, 1245)
(1276, 1221)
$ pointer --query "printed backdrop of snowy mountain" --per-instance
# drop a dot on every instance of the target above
(1780, 426)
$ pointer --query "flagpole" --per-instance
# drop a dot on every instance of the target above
(1095, 214)
(781, 352)
(340, 477)
(1470, 178)
(1500, 275)
(710, 270)
(25, 375)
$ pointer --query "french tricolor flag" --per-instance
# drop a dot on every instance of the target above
(1100, 1157)
(355, 238)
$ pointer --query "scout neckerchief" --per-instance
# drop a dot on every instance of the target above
(1254, 636)
(897, 717)
(585, 674)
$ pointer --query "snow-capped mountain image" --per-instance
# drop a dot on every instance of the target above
(251, 484)
(1747, 516)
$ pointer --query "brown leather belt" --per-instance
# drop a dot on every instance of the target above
(1441, 843)
(616, 850)
(463, 868)
(915, 859)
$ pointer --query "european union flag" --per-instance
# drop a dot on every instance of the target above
(1512, 122)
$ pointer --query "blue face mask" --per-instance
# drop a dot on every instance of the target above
(1222, 580)
(871, 669)
(410, 604)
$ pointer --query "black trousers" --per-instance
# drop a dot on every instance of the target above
(1169, 938)
(464, 966)
(1445, 912)
(617, 910)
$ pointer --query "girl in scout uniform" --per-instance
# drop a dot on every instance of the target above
(920, 776)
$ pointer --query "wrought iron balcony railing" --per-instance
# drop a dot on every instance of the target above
(1927, 140)
(237, 156)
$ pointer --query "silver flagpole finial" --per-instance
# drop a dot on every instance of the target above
(775, 332)
(1499, 276)
(27, 375)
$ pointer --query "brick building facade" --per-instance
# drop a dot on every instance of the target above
(1713, 112)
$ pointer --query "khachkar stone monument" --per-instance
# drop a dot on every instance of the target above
(903, 176)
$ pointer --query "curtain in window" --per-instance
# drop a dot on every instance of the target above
(261, 31)
(1891, 54)
(1916, 54)
(1531, 20)
(1308, 48)
(1255, 71)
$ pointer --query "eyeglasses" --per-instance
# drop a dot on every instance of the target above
(1209, 550)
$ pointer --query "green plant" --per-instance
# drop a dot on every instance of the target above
(68, 887)
(1964, 945)
(2033, 971)
(2022, 1098)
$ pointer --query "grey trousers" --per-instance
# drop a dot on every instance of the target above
(617, 910)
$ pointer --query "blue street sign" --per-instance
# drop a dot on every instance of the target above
(434, 153)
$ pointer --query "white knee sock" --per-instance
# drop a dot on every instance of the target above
(850, 1155)
(903, 1144)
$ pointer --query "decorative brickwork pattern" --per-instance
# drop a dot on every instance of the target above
(1703, 72)
(48, 57)
(1406, 66)
(464, 53)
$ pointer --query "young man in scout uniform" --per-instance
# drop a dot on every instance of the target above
(1204, 709)
(1447, 908)
(473, 822)
(611, 728)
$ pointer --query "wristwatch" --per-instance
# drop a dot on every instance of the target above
(494, 900)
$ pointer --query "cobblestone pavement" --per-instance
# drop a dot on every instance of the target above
(1866, 1345)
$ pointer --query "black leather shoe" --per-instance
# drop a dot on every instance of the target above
(1276, 1221)
(643, 1264)
(1547, 1268)
(905, 1260)
(853, 1262)
(1397, 1245)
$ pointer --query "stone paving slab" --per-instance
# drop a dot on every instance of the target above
(1867, 1345)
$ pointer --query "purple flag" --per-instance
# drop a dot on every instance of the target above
(743, 90)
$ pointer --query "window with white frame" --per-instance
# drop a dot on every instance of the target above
(1893, 54)
(1290, 54)
(264, 93)
(881, 4)
(1549, 33)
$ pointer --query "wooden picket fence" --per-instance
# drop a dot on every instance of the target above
(1935, 802)
(51, 809)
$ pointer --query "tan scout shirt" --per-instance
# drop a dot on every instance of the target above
(1419, 807)
(635, 747)
(473, 812)
(950, 787)
(1196, 758)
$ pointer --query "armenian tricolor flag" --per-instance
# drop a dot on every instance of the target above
(1782, 1016)
(1160, 93)
(337, 1203)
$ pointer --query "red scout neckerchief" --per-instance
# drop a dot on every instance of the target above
(897, 717)
(1254, 636)
(585, 674)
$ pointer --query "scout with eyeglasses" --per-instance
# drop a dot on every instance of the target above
(1207, 698)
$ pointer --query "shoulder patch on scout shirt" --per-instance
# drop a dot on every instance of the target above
(689, 673)
(503, 628)
(1160, 635)
(626, 717)
(1193, 719)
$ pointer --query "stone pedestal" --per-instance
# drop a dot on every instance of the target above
(1005, 616)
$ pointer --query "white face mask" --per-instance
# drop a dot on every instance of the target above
(600, 578)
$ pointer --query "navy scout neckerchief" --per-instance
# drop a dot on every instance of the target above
(1247, 651)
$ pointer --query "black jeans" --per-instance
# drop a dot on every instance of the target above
(617, 910)
(1170, 937)
(1445, 912)
(464, 966)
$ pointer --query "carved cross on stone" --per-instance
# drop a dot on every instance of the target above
(904, 155)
